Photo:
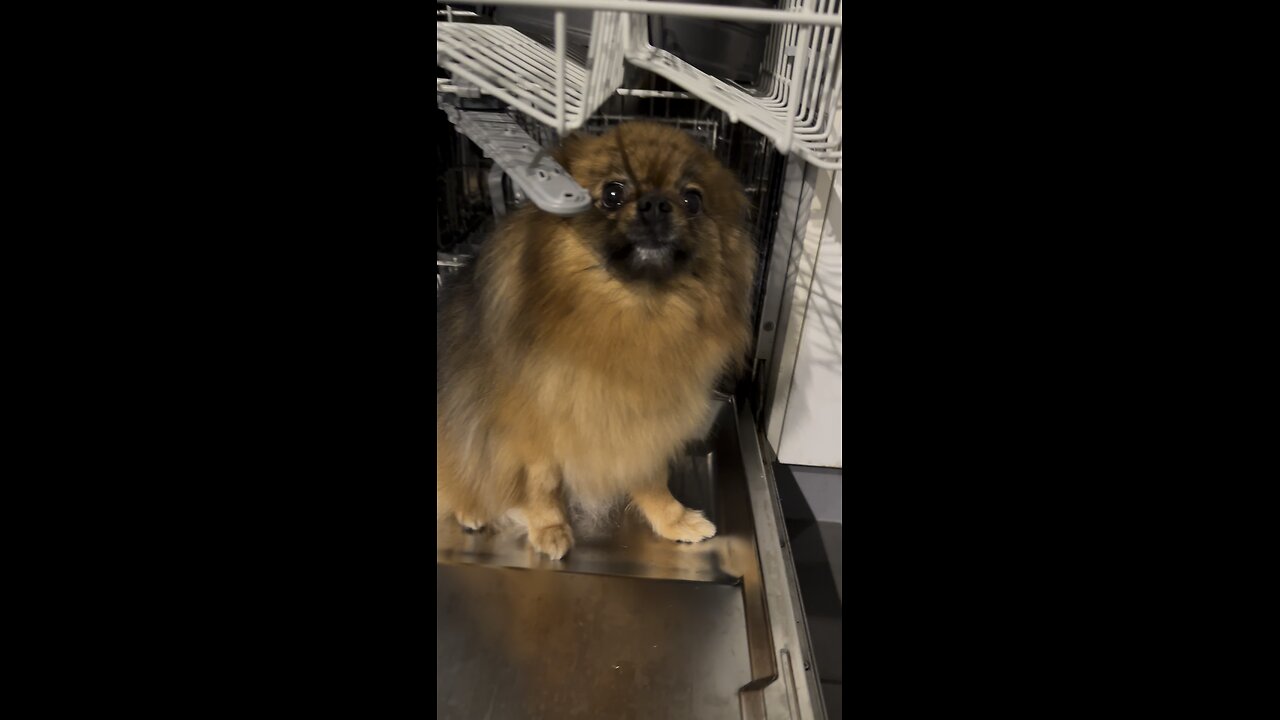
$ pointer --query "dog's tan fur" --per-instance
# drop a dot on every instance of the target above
(554, 374)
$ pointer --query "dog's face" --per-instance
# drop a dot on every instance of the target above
(661, 203)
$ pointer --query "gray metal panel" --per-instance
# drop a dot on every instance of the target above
(530, 166)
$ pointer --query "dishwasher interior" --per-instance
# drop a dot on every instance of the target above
(628, 625)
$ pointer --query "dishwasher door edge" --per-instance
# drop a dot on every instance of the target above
(799, 694)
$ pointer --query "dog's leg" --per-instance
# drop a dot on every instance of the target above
(549, 531)
(667, 516)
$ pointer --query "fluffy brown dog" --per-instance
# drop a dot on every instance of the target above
(580, 353)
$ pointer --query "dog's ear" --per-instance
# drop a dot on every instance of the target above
(571, 147)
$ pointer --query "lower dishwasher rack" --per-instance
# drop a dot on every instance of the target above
(628, 625)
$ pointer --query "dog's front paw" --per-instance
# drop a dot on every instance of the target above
(691, 527)
(469, 523)
(553, 541)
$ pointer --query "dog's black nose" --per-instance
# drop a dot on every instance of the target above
(654, 208)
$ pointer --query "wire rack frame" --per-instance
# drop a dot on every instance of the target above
(798, 106)
(552, 87)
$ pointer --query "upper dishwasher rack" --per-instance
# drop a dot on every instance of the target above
(797, 103)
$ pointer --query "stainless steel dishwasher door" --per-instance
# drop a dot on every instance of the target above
(534, 644)
(629, 625)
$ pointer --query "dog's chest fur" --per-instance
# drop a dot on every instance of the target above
(615, 404)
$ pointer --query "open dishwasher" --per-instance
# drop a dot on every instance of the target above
(629, 625)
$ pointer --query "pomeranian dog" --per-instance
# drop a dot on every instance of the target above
(579, 354)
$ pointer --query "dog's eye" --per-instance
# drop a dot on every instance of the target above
(692, 201)
(613, 195)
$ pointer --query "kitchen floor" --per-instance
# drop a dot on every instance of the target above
(811, 505)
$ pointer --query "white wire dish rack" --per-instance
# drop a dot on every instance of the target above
(549, 87)
(797, 104)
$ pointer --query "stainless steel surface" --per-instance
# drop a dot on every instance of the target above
(789, 632)
(530, 644)
(687, 631)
